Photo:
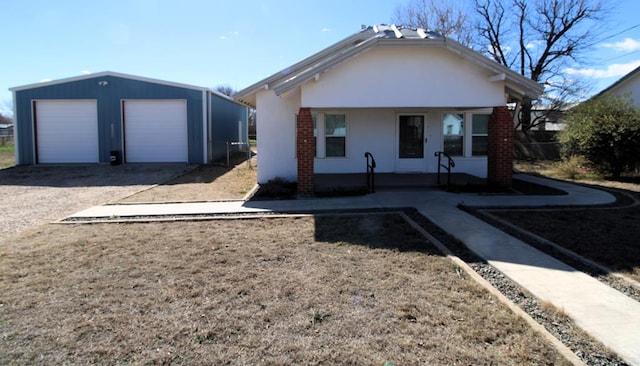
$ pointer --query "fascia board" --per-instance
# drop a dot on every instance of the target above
(331, 62)
(304, 64)
(620, 81)
(107, 73)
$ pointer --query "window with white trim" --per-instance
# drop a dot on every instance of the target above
(330, 135)
(453, 134)
(479, 134)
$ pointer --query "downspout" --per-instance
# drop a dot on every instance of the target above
(206, 120)
(16, 134)
(246, 127)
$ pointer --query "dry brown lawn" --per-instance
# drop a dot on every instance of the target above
(360, 289)
(205, 183)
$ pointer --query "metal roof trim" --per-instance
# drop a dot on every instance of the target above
(103, 74)
(352, 46)
(303, 64)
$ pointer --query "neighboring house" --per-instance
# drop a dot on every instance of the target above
(626, 85)
(6, 130)
(100, 117)
(401, 94)
(545, 117)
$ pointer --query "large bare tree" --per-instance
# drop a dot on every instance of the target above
(448, 18)
(225, 89)
(539, 39)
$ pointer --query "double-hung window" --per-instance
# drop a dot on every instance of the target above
(330, 135)
(453, 133)
(479, 134)
(468, 139)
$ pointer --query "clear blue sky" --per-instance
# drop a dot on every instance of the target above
(213, 42)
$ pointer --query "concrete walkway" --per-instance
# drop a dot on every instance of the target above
(605, 313)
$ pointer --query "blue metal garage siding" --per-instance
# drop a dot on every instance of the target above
(109, 99)
(225, 115)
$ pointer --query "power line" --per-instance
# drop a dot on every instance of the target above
(624, 55)
(613, 35)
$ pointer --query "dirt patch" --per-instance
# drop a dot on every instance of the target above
(34, 195)
(205, 183)
(314, 290)
(608, 236)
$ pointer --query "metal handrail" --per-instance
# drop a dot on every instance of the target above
(371, 166)
(450, 164)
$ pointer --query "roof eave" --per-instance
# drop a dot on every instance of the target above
(618, 82)
(103, 74)
(301, 65)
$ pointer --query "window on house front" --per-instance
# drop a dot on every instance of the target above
(330, 135)
(453, 133)
(335, 134)
(315, 135)
(479, 134)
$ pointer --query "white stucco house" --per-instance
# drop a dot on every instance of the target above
(626, 85)
(401, 94)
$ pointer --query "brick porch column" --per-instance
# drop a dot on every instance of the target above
(500, 147)
(304, 145)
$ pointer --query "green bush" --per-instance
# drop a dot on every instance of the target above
(604, 130)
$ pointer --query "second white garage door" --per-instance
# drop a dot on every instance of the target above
(155, 131)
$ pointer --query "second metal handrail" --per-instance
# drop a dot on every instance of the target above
(371, 166)
(450, 164)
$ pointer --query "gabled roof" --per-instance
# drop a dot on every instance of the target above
(119, 75)
(368, 37)
(628, 76)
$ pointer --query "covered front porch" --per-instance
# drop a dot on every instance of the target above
(358, 183)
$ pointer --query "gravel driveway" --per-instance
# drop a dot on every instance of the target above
(34, 195)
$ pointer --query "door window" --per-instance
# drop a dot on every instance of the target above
(411, 137)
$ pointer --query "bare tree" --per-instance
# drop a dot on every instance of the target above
(225, 89)
(5, 119)
(448, 18)
(539, 39)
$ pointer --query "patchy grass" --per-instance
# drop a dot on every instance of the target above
(205, 183)
(362, 289)
(7, 154)
(576, 172)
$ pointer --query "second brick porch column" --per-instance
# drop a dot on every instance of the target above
(305, 152)
(500, 147)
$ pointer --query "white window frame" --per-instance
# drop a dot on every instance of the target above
(465, 125)
(472, 135)
(321, 137)
(467, 138)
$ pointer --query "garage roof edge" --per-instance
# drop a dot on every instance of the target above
(120, 75)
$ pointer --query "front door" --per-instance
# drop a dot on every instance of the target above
(411, 142)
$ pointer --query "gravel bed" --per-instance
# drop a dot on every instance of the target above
(584, 346)
(35, 195)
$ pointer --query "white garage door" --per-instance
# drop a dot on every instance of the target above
(67, 131)
(155, 131)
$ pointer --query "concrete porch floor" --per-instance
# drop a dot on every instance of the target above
(389, 181)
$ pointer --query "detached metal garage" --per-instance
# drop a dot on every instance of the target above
(91, 118)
